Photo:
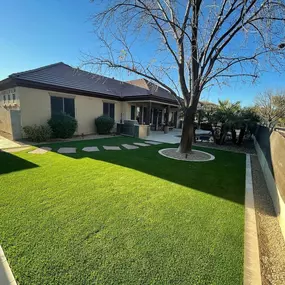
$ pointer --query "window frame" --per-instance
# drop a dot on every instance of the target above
(63, 107)
(109, 112)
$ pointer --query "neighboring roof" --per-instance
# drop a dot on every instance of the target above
(207, 103)
(62, 77)
(153, 88)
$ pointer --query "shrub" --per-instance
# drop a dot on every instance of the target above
(37, 133)
(62, 125)
(104, 124)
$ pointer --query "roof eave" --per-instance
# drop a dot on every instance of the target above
(49, 87)
(7, 83)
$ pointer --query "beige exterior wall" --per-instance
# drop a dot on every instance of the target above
(126, 110)
(11, 102)
(36, 108)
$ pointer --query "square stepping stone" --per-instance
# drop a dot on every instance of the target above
(38, 151)
(111, 147)
(142, 144)
(46, 148)
(67, 150)
(152, 142)
(129, 146)
(90, 148)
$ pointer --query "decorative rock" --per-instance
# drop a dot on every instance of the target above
(67, 150)
(111, 147)
(129, 146)
(141, 144)
(38, 151)
(91, 148)
(152, 142)
(195, 155)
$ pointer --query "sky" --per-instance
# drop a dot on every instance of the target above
(34, 33)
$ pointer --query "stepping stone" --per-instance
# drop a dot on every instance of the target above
(111, 147)
(46, 148)
(90, 148)
(141, 144)
(152, 142)
(38, 151)
(129, 146)
(67, 150)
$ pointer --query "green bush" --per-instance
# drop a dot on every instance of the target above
(37, 133)
(104, 124)
(62, 125)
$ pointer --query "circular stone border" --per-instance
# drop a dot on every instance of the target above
(211, 157)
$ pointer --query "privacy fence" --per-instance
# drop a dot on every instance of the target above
(270, 147)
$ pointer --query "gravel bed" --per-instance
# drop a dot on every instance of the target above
(195, 155)
(270, 238)
(246, 147)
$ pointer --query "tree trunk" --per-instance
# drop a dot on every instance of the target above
(234, 135)
(187, 131)
(241, 135)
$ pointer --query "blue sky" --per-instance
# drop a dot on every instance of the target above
(34, 33)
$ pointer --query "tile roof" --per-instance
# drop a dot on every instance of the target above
(65, 76)
(153, 88)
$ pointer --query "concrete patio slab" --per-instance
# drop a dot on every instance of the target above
(152, 142)
(67, 150)
(171, 137)
(111, 147)
(129, 146)
(91, 148)
(5, 143)
(38, 151)
(142, 144)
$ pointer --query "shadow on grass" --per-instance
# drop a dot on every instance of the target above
(224, 177)
(10, 163)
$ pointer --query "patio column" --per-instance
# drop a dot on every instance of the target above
(149, 114)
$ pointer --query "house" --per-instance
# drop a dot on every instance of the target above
(32, 97)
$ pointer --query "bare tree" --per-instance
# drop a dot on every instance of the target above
(270, 106)
(197, 44)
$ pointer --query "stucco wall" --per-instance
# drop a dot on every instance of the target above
(5, 120)
(5, 107)
(126, 110)
(36, 108)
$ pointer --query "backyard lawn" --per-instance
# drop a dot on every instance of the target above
(122, 217)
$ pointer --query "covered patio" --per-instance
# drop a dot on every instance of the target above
(155, 114)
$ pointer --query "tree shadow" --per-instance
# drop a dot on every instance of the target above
(223, 177)
(11, 163)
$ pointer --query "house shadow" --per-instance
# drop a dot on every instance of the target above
(11, 163)
(227, 170)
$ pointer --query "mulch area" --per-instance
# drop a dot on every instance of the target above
(270, 238)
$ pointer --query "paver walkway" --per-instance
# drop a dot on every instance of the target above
(67, 150)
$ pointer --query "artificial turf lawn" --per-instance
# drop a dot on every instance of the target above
(122, 217)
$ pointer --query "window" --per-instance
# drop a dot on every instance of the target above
(9, 97)
(109, 109)
(133, 112)
(14, 97)
(59, 104)
(4, 98)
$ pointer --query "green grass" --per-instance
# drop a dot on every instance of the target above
(122, 217)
